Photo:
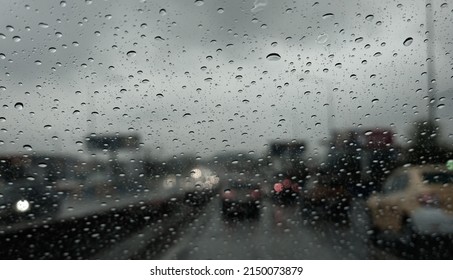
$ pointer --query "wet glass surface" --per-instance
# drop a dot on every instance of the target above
(126, 128)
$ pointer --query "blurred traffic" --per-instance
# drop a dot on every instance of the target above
(366, 187)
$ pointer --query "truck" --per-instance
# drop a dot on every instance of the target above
(357, 164)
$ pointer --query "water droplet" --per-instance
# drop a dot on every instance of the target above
(377, 54)
(199, 3)
(158, 38)
(28, 148)
(358, 40)
(408, 41)
(375, 100)
(273, 57)
(76, 112)
(322, 39)
(19, 106)
(143, 25)
(63, 3)
(239, 77)
(52, 49)
(187, 115)
(274, 44)
(328, 15)
(10, 28)
(42, 165)
(369, 17)
(38, 62)
(162, 12)
(43, 25)
(131, 53)
(220, 10)
(16, 39)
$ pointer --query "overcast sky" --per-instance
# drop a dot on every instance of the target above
(193, 77)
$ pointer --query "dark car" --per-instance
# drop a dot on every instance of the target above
(286, 191)
(27, 189)
(241, 197)
(25, 199)
(324, 200)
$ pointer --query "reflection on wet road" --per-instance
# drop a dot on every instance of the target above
(279, 233)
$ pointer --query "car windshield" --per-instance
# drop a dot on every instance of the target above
(123, 122)
(438, 178)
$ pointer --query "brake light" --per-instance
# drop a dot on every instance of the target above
(278, 187)
(428, 199)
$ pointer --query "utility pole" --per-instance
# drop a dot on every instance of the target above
(431, 67)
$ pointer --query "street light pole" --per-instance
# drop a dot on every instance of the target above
(431, 67)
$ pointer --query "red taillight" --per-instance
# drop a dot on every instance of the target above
(287, 183)
(278, 187)
(428, 200)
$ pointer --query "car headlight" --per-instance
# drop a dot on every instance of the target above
(195, 173)
(22, 205)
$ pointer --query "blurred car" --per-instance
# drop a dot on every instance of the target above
(320, 198)
(286, 191)
(199, 186)
(241, 195)
(416, 203)
(24, 199)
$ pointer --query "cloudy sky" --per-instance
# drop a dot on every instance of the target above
(196, 76)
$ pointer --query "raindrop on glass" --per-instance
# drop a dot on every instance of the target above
(273, 57)
(408, 41)
(131, 53)
(199, 3)
(322, 38)
(328, 15)
(27, 148)
(19, 106)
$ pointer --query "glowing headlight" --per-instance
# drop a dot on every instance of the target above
(22, 205)
(195, 173)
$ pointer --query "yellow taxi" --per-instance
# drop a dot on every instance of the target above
(415, 201)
